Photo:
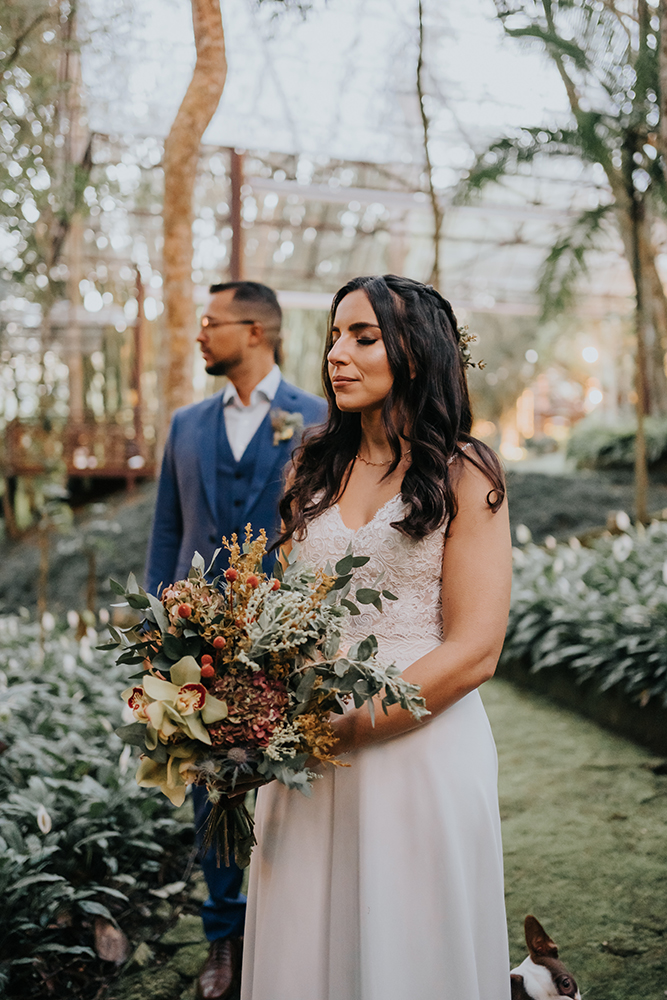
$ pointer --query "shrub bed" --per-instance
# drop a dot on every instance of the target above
(588, 625)
(82, 848)
(602, 446)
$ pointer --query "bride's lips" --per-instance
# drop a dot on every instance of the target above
(340, 380)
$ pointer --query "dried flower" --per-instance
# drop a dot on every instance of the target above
(465, 340)
(255, 706)
(285, 425)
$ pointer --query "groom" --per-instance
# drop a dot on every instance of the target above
(222, 468)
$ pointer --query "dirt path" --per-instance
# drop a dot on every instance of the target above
(585, 838)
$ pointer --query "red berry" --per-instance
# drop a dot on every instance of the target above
(219, 642)
(184, 610)
(253, 581)
(275, 585)
(231, 574)
(207, 670)
(206, 660)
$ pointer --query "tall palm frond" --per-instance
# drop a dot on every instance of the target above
(566, 262)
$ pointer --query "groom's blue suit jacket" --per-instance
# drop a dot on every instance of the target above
(204, 493)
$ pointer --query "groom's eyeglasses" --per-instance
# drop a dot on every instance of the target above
(211, 324)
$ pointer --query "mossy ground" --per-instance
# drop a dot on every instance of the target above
(585, 838)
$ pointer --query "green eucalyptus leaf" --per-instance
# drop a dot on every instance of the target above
(367, 596)
(344, 565)
(173, 647)
(134, 734)
(161, 616)
(366, 648)
(138, 601)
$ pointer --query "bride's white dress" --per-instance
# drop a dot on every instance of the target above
(386, 884)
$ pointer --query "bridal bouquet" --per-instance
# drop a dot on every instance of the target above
(240, 674)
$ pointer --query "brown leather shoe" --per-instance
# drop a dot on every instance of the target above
(222, 970)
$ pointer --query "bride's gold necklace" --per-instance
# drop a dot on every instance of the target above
(378, 464)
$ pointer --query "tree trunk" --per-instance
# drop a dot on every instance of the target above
(656, 314)
(638, 232)
(181, 158)
(654, 308)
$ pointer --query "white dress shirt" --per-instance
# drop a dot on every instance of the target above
(242, 422)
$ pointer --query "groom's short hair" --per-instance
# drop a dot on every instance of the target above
(263, 302)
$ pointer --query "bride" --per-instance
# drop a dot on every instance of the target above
(387, 883)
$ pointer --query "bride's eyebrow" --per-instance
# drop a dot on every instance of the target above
(358, 327)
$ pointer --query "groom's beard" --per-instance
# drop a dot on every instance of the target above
(222, 367)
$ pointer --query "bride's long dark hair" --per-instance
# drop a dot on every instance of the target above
(428, 407)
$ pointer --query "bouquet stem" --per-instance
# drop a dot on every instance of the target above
(231, 830)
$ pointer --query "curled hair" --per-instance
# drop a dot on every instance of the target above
(428, 407)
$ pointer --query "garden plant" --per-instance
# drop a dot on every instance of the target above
(83, 850)
(599, 611)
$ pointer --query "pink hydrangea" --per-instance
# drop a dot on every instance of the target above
(256, 704)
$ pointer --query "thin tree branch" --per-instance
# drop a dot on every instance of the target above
(663, 84)
(572, 94)
(18, 42)
(426, 126)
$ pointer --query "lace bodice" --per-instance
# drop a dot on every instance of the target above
(410, 626)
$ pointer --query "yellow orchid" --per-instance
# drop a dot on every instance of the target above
(171, 778)
(179, 705)
(138, 701)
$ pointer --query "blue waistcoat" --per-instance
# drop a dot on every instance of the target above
(201, 484)
(233, 479)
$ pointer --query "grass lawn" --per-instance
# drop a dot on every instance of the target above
(585, 837)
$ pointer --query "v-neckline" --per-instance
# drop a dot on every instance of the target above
(356, 531)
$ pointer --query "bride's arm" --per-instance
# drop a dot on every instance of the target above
(476, 581)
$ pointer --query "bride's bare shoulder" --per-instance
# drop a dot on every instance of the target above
(475, 488)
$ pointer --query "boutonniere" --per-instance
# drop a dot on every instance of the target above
(285, 425)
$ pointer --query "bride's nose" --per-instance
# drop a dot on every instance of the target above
(337, 355)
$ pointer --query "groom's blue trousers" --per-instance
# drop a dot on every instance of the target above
(223, 912)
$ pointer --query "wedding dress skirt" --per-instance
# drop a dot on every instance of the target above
(387, 883)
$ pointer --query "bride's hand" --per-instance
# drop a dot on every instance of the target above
(343, 733)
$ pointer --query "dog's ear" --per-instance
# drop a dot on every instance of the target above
(538, 941)
(518, 989)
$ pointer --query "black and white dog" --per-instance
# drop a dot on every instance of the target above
(541, 976)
